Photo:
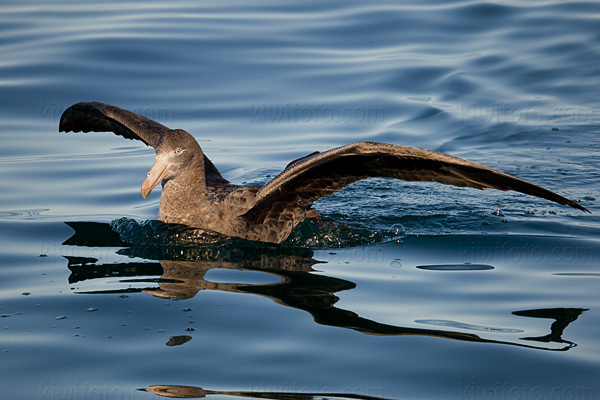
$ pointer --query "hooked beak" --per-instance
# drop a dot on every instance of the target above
(157, 173)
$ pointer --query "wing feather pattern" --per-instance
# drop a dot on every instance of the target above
(322, 174)
(100, 117)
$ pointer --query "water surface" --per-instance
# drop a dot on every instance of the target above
(406, 291)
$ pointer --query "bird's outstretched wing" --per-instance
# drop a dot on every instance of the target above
(311, 178)
(100, 117)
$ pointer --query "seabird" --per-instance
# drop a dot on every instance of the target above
(195, 194)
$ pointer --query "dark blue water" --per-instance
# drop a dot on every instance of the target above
(407, 291)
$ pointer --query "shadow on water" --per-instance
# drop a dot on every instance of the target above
(193, 392)
(292, 282)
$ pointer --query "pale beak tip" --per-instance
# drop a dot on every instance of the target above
(156, 174)
(146, 190)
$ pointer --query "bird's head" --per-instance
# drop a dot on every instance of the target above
(176, 152)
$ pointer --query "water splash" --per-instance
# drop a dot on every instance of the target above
(310, 234)
(157, 233)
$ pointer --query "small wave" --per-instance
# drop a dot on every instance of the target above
(456, 267)
(23, 214)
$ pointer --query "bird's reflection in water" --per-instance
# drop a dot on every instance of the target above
(182, 273)
(562, 318)
(193, 392)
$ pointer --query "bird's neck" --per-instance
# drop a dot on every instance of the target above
(181, 198)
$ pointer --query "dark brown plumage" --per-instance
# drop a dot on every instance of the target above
(194, 192)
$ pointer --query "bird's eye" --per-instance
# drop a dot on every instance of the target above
(178, 151)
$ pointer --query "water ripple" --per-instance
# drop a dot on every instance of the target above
(461, 325)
